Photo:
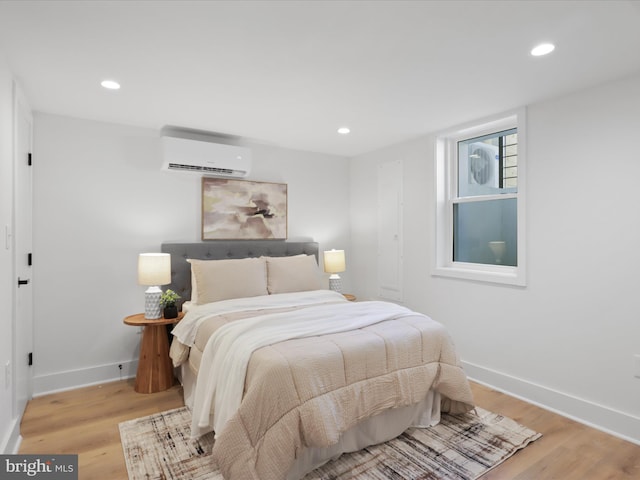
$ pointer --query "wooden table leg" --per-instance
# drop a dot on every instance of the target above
(155, 370)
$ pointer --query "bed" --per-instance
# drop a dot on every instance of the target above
(290, 375)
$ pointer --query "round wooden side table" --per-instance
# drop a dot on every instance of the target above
(155, 369)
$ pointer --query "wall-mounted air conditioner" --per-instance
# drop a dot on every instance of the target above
(205, 158)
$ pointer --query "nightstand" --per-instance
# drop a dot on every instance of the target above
(348, 296)
(155, 369)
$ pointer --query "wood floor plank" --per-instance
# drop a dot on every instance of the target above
(567, 450)
(98, 464)
(85, 422)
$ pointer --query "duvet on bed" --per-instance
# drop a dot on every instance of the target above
(305, 369)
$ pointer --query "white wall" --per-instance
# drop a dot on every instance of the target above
(7, 414)
(566, 340)
(100, 199)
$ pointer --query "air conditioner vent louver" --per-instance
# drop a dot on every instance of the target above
(200, 168)
(205, 158)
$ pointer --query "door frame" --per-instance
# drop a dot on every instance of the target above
(22, 327)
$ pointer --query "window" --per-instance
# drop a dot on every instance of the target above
(480, 201)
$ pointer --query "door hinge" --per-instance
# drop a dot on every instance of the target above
(30, 358)
(22, 282)
(29, 160)
(30, 259)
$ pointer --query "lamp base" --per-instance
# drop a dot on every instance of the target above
(152, 309)
(335, 283)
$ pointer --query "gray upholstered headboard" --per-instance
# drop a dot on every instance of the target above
(223, 249)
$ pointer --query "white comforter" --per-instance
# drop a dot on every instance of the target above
(221, 377)
(186, 330)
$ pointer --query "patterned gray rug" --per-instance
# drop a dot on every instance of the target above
(461, 447)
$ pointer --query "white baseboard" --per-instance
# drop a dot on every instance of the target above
(61, 381)
(12, 439)
(614, 422)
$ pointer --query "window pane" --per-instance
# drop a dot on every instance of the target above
(485, 232)
(487, 165)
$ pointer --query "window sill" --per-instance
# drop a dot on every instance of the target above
(483, 273)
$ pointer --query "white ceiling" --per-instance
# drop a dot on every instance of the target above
(289, 73)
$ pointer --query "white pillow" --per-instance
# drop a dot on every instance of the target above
(194, 287)
(215, 280)
(299, 273)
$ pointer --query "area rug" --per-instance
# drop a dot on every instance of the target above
(461, 447)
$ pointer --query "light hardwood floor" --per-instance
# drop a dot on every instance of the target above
(85, 421)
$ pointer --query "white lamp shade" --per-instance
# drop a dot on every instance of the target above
(154, 269)
(334, 261)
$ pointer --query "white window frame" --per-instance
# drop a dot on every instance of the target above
(446, 177)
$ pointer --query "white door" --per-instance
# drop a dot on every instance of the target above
(23, 259)
(390, 230)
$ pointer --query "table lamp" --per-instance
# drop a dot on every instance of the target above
(154, 269)
(334, 263)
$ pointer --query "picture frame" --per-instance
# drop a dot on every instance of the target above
(243, 209)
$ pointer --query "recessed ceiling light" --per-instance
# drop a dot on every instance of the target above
(110, 84)
(343, 130)
(542, 49)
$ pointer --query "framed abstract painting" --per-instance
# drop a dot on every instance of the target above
(243, 210)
